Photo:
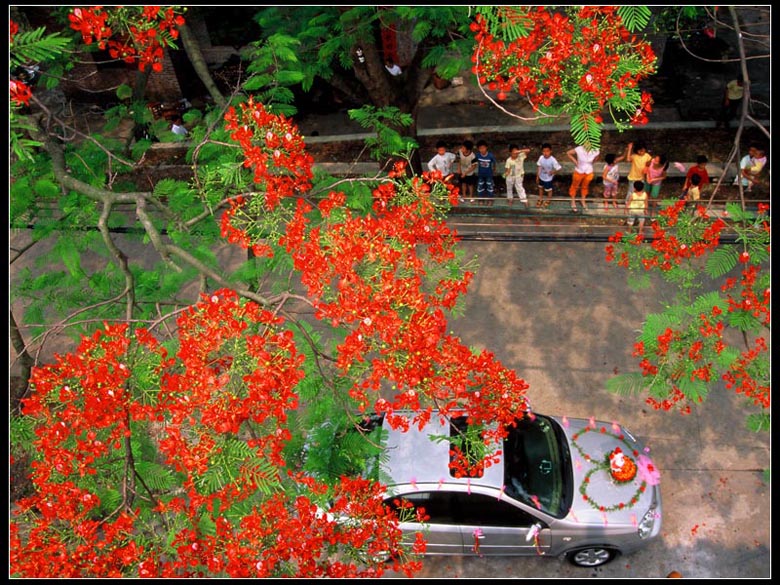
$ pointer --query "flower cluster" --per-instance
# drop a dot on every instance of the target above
(744, 375)
(366, 273)
(583, 51)
(689, 352)
(274, 149)
(218, 410)
(621, 466)
(131, 33)
(20, 91)
(385, 278)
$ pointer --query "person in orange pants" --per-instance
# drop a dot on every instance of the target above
(583, 173)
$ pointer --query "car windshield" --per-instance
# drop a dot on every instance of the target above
(537, 465)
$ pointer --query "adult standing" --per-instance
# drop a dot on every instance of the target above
(392, 67)
(583, 173)
(177, 127)
(750, 167)
(732, 101)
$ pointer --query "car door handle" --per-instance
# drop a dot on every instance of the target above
(533, 531)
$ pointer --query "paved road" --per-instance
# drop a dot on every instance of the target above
(565, 321)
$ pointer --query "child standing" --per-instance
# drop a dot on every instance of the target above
(700, 169)
(636, 205)
(546, 167)
(655, 173)
(486, 168)
(693, 193)
(442, 161)
(611, 178)
(638, 156)
(514, 173)
(467, 169)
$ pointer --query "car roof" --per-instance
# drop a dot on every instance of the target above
(414, 458)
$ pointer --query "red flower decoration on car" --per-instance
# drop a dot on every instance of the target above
(621, 466)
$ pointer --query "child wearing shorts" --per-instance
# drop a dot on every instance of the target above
(611, 178)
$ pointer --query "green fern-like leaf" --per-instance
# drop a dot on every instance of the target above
(638, 281)
(586, 130)
(695, 390)
(157, 477)
(704, 303)
(210, 481)
(630, 384)
(109, 500)
(736, 213)
(722, 261)
(758, 422)
(22, 431)
(34, 46)
(726, 357)
(655, 324)
(507, 23)
(265, 475)
(744, 321)
(634, 17)
(758, 251)
(206, 525)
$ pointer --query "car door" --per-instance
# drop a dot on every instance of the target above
(441, 530)
(500, 527)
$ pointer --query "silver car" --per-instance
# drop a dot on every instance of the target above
(555, 490)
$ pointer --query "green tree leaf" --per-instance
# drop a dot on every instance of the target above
(722, 261)
(628, 384)
(635, 17)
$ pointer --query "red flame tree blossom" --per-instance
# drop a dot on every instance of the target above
(135, 34)
(221, 402)
(579, 61)
(683, 351)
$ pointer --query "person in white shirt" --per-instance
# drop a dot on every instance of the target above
(546, 167)
(392, 67)
(514, 172)
(583, 173)
(442, 161)
(177, 127)
(750, 167)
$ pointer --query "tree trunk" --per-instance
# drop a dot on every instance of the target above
(195, 55)
(26, 362)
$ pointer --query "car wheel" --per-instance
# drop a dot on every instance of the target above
(591, 557)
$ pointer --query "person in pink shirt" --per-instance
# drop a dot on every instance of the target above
(655, 173)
